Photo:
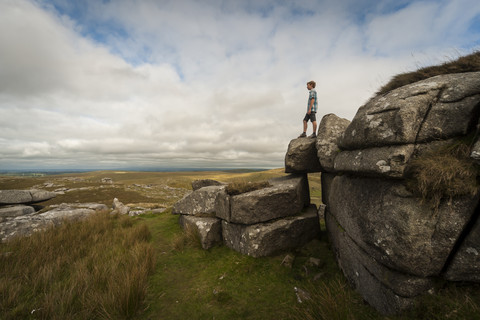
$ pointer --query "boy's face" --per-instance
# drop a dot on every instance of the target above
(309, 86)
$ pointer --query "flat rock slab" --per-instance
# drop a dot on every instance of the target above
(25, 196)
(27, 224)
(198, 202)
(301, 156)
(387, 162)
(286, 197)
(209, 229)
(266, 239)
(15, 211)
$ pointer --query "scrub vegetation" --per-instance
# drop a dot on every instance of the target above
(468, 63)
(147, 267)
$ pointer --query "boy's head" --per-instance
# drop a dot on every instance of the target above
(311, 84)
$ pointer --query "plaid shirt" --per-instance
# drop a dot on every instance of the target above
(312, 95)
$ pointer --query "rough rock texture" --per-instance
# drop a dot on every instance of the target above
(385, 161)
(209, 229)
(26, 224)
(197, 184)
(387, 290)
(440, 107)
(394, 227)
(465, 265)
(269, 238)
(15, 211)
(120, 207)
(302, 157)
(24, 196)
(286, 197)
(198, 202)
(329, 132)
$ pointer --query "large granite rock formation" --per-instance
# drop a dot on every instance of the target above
(257, 223)
(392, 244)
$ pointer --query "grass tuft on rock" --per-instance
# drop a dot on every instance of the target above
(241, 186)
(468, 63)
(444, 173)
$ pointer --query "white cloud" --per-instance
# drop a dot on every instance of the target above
(199, 83)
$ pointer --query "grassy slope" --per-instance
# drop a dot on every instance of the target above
(189, 282)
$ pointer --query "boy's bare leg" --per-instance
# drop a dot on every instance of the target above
(305, 126)
(314, 127)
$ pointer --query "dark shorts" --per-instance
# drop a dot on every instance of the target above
(310, 117)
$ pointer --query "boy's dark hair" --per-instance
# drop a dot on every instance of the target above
(312, 83)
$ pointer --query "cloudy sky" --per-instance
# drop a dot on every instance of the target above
(206, 83)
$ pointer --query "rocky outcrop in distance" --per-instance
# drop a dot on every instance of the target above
(21, 214)
(391, 243)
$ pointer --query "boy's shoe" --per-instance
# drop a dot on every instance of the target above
(303, 135)
(313, 135)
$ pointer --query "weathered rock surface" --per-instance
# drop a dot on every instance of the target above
(209, 229)
(197, 184)
(27, 224)
(387, 290)
(386, 161)
(286, 197)
(330, 131)
(15, 211)
(302, 157)
(198, 202)
(24, 196)
(465, 265)
(265, 239)
(120, 207)
(393, 227)
(440, 107)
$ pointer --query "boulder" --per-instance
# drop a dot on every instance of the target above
(440, 107)
(387, 290)
(197, 184)
(301, 156)
(381, 162)
(27, 224)
(265, 239)
(465, 264)
(286, 197)
(120, 207)
(25, 196)
(330, 131)
(15, 211)
(209, 229)
(396, 228)
(198, 202)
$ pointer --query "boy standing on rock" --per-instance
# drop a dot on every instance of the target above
(311, 111)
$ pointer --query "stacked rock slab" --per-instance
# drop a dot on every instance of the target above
(390, 244)
(256, 223)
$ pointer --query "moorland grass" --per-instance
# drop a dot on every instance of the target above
(468, 63)
(93, 269)
(185, 281)
(444, 173)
